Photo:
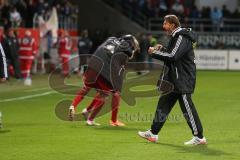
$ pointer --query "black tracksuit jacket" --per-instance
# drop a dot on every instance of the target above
(3, 63)
(179, 58)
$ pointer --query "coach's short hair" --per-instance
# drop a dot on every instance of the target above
(173, 19)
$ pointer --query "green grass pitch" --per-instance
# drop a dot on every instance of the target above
(33, 132)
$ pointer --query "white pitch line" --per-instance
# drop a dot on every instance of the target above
(38, 89)
(27, 97)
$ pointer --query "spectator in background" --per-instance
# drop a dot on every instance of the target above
(5, 14)
(21, 7)
(225, 12)
(41, 7)
(31, 9)
(64, 51)
(205, 12)
(67, 10)
(15, 17)
(194, 13)
(27, 52)
(205, 15)
(148, 10)
(162, 8)
(236, 13)
(153, 42)
(188, 6)
(140, 58)
(11, 47)
(216, 17)
(3, 65)
(177, 8)
(84, 47)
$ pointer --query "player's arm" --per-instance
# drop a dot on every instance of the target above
(181, 47)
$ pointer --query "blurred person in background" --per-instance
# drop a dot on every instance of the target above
(177, 8)
(140, 58)
(152, 42)
(15, 17)
(27, 52)
(11, 48)
(84, 47)
(64, 51)
(5, 14)
(3, 65)
(216, 16)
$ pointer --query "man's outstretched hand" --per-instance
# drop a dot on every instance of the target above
(153, 49)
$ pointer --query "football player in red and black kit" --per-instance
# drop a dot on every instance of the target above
(105, 74)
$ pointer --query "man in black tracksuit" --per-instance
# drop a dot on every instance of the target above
(11, 47)
(3, 65)
(179, 58)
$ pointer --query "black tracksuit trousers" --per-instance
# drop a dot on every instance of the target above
(165, 105)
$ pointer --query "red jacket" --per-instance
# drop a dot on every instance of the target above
(27, 48)
(64, 47)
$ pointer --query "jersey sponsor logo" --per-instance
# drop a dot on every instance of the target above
(26, 41)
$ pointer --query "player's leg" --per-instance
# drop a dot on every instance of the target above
(65, 66)
(86, 111)
(23, 68)
(78, 98)
(80, 95)
(100, 100)
(165, 105)
(192, 118)
(115, 108)
(90, 81)
(26, 65)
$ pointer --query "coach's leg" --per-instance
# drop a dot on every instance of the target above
(165, 105)
(191, 115)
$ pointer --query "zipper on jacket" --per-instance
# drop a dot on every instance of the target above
(176, 72)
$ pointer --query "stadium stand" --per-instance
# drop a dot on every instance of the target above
(148, 13)
(24, 13)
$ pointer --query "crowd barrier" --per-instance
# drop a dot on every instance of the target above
(217, 59)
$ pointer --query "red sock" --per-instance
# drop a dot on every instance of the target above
(80, 95)
(115, 106)
(93, 103)
(77, 100)
(97, 107)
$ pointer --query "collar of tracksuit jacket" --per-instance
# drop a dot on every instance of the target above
(187, 32)
(175, 31)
